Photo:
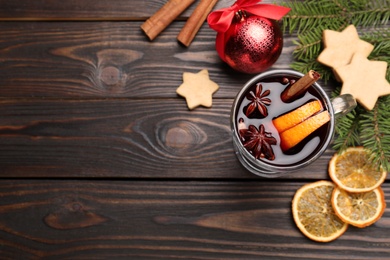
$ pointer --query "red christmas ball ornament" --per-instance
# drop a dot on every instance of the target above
(252, 43)
(249, 38)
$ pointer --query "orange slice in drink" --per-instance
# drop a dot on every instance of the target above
(291, 137)
(353, 170)
(296, 116)
(313, 213)
(359, 209)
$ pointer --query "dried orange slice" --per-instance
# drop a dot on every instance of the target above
(313, 213)
(296, 134)
(353, 171)
(286, 121)
(359, 209)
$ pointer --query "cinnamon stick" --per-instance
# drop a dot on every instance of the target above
(197, 18)
(164, 17)
(300, 86)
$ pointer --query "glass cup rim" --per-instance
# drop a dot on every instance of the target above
(276, 170)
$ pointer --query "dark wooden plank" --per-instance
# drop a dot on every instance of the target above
(108, 59)
(42, 219)
(154, 138)
(87, 9)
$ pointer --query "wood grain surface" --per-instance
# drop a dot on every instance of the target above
(122, 138)
(101, 159)
(87, 219)
(89, 9)
(109, 59)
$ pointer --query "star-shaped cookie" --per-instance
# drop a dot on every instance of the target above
(341, 46)
(364, 79)
(197, 89)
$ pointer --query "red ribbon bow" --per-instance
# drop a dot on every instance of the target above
(221, 20)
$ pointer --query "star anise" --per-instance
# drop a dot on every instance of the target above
(258, 142)
(259, 101)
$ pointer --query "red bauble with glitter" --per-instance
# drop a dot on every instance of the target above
(252, 43)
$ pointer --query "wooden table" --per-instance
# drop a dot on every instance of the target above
(101, 159)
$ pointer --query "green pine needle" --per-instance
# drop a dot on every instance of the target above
(309, 19)
(347, 128)
(375, 132)
(370, 12)
(308, 15)
(308, 44)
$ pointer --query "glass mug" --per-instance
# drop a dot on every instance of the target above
(272, 83)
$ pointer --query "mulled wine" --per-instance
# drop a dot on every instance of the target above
(259, 106)
(267, 148)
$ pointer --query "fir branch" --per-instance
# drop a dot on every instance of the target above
(310, 14)
(381, 41)
(335, 13)
(309, 44)
(370, 12)
(347, 131)
(375, 132)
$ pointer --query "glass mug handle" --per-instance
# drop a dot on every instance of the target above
(343, 104)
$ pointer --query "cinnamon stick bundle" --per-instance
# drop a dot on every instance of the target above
(164, 17)
(300, 86)
(197, 18)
